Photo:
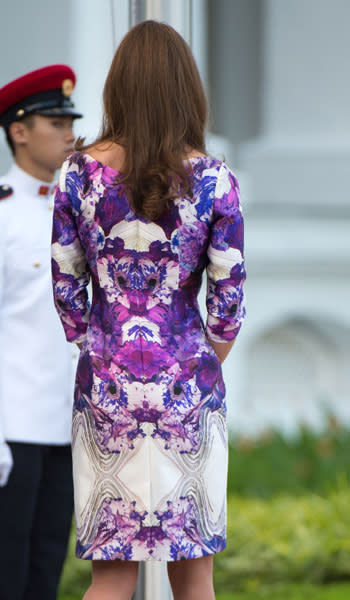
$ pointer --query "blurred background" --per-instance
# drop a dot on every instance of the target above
(276, 74)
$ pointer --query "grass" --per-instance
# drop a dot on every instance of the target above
(291, 591)
(76, 574)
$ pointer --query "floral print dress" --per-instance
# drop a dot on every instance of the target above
(149, 431)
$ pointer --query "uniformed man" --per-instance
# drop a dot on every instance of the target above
(37, 115)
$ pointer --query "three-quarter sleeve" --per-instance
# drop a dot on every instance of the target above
(225, 270)
(70, 271)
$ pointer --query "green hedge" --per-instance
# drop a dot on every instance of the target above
(292, 591)
(270, 464)
(76, 574)
(286, 539)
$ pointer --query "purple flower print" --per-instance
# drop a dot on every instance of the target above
(117, 429)
(64, 230)
(193, 240)
(148, 383)
(111, 208)
(93, 170)
(117, 529)
(84, 377)
(223, 300)
(228, 233)
(142, 359)
(151, 535)
(140, 284)
(179, 523)
(227, 200)
(169, 222)
(204, 190)
(208, 373)
(178, 426)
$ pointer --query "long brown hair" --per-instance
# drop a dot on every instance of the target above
(155, 107)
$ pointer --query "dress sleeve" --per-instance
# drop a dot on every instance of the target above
(225, 270)
(70, 270)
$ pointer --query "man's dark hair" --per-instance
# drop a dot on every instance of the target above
(29, 122)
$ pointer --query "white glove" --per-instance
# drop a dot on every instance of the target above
(6, 463)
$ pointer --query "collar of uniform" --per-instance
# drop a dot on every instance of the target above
(28, 184)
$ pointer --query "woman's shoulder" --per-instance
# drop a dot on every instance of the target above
(218, 169)
(214, 183)
(107, 154)
(77, 170)
(83, 164)
(206, 167)
(75, 161)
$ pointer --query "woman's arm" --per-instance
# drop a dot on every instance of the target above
(225, 270)
(70, 271)
(221, 350)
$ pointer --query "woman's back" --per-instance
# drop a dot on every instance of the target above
(149, 384)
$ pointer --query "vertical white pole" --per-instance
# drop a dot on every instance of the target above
(199, 37)
(91, 61)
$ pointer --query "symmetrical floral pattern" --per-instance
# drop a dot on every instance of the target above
(149, 430)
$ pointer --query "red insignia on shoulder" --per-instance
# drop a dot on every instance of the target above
(5, 191)
(44, 190)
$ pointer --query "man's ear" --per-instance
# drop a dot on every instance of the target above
(19, 133)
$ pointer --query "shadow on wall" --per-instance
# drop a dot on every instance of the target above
(235, 32)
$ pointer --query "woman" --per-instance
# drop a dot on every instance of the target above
(142, 212)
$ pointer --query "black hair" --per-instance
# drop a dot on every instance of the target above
(28, 120)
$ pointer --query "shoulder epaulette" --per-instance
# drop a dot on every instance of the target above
(5, 191)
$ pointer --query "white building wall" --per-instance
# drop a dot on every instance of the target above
(292, 150)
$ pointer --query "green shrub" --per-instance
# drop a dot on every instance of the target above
(285, 539)
(76, 574)
(292, 591)
(271, 463)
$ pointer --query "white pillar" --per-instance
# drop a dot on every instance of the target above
(97, 32)
(177, 14)
(199, 37)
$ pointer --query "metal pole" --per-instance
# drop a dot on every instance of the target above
(153, 582)
(137, 11)
(141, 584)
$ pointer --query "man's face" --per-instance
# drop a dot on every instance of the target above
(49, 140)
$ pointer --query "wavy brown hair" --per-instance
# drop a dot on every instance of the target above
(155, 107)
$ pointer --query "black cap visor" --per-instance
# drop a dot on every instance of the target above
(63, 111)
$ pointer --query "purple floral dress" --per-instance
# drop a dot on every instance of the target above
(149, 423)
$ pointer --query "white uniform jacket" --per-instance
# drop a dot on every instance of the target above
(36, 362)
